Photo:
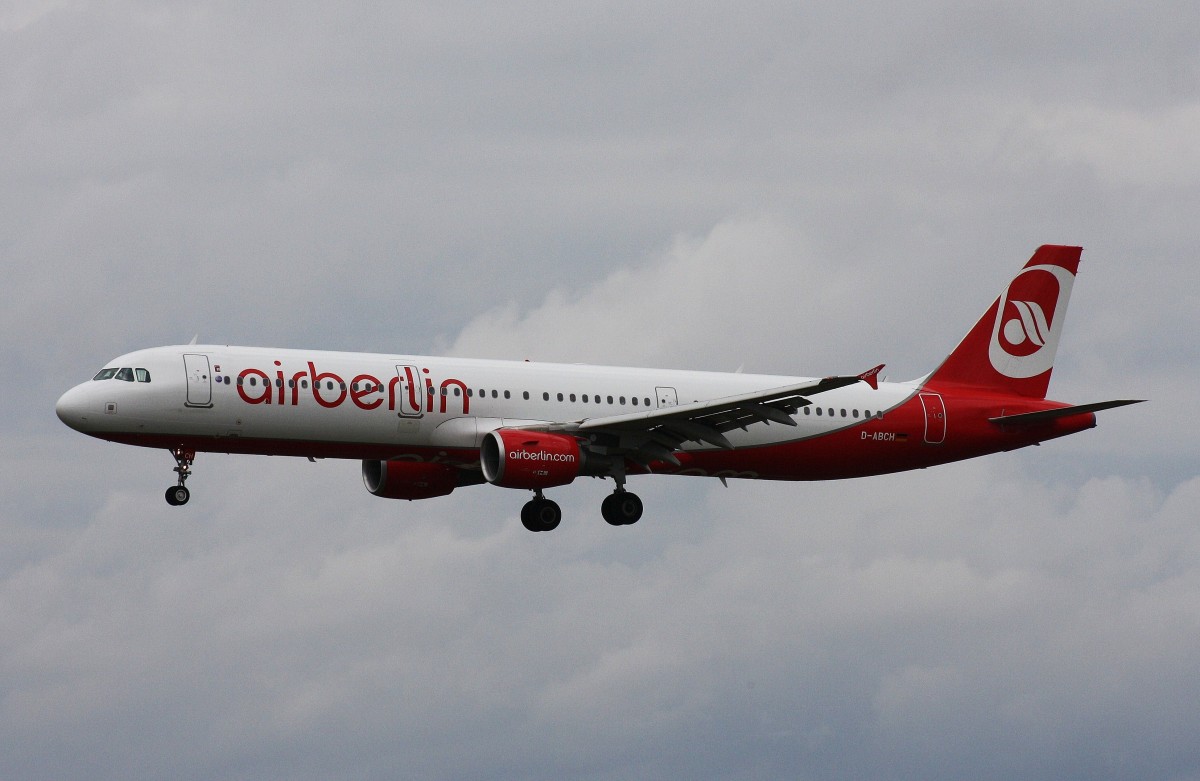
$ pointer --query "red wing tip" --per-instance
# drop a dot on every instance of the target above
(871, 376)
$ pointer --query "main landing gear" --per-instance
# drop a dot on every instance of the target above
(620, 508)
(540, 514)
(179, 494)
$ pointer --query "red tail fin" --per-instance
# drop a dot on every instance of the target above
(1012, 347)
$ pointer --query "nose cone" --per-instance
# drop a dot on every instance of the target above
(72, 408)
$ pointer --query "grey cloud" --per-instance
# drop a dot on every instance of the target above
(897, 627)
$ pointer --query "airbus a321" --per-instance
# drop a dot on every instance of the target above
(423, 426)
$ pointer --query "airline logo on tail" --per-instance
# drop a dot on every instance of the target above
(1025, 336)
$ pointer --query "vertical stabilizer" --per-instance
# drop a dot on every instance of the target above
(1012, 347)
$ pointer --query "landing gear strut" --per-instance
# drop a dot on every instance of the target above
(621, 508)
(179, 494)
(540, 514)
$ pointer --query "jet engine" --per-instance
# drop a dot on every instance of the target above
(408, 479)
(512, 458)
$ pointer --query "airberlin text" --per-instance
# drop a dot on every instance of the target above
(540, 455)
(407, 392)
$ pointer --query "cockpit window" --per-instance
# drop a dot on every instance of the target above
(143, 375)
(106, 374)
(125, 374)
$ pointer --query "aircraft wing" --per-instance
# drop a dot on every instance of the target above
(654, 435)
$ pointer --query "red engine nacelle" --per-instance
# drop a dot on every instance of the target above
(408, 479)
(529, 459)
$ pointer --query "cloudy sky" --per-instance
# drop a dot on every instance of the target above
(789, 188)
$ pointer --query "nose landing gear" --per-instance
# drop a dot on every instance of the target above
(179, 494)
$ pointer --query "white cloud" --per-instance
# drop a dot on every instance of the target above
(750, 293)
(20, 14)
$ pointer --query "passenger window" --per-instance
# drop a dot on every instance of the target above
(525, 394)
(818, 410)
(560, 397)
(807, 411)
(622, 400)
(635, 401)
(105, 374)
(506, 395)
(125, 374)
(854, 413)
(142, 375)
(572, 397)
(610, 399)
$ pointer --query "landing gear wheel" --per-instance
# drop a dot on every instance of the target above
(177, 495)
(541, 515)
(621, 508)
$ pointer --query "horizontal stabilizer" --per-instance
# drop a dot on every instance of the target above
(1032, 418)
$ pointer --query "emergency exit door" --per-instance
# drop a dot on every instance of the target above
(935, 418)
(199, 380)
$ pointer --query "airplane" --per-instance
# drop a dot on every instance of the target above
(423, 426)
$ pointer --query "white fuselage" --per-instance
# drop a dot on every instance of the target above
(388, 403)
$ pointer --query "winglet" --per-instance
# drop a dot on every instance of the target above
(871, 376)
